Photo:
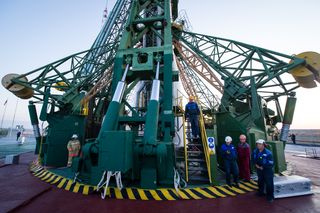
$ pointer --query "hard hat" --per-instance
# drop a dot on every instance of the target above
(74, 136)
(191, 97)
(228, 139)
(260, 141)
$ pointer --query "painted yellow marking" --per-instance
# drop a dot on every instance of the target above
(46, 176)
(244, 187)
(40, 173)
(61, 183)
(51, 178)
(118, 193)
(166, 194)
(194, 196)
(37, 171)
(85, 190)
(183, 194)
(142, 194)
(180, 194)
(251, 185)
(253, 182)
(68, 185)
(204, 193)
(226, 191)
(130, 194)
(76, 188)
(216, 192)
(56, 180)
(154, 194)
(237, 190)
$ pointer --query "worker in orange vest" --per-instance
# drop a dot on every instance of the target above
(73, 148)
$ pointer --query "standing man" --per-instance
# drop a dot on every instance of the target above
(73, 148)
(293, 138)
(263, 161)
(192, 113)
(229, 156)
(18, 135)
(244, 158)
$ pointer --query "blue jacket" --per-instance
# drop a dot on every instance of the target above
(263, 158)
(192, 109)
(228, 152)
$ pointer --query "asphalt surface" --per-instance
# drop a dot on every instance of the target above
(22, 192)
(301, 149)
(9, 146)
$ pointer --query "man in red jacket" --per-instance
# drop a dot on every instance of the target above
(244, 158)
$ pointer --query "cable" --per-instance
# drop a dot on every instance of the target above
(177, 179)
(105, 184)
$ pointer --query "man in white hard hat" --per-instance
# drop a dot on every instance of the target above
(73, 148)
(229, 156)
(263, 161)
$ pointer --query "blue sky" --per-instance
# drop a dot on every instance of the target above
(36, 32)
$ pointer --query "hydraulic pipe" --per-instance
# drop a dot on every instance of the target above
(151, 126)
(111, 117)
(288, 117)
(35, 125)
(43, 113)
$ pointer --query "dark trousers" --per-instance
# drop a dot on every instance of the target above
(244, 168)
(231, 167)
(265, 179)
(194, 120)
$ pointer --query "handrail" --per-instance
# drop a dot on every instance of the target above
(185, 148)
(204, 143)
(203, 137)
(180, 105)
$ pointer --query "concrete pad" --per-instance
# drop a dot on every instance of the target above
(18, 186)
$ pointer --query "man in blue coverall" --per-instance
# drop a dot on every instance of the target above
(229, 155)
(263, 161)
(192, 113)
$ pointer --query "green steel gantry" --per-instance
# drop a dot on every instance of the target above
(135, 55)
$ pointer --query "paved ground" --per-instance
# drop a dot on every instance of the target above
(306, 167)
(8, 146)
(17, 186)
(21, 192)
(69, 202)
(301, 149)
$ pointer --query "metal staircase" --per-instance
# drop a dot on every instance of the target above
(195, 163)
(192, 159)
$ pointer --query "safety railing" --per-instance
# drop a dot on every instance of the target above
(185, 148)
(204, 142)
(203, 133)
(179, 103)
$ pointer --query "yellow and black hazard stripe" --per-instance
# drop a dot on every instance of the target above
(196, 193)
